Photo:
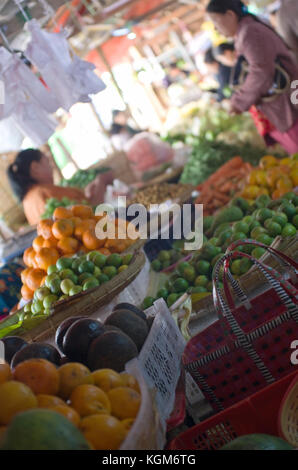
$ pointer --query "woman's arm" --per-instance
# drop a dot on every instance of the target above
(260, 53)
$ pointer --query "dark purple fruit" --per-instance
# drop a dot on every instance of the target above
(131, 308)
(131, 324)
(36, 350)
(62, 329)
(111, 350)
(78, 338)
(12, 345)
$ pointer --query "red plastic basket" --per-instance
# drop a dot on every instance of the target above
(257, 414)
(178, 414)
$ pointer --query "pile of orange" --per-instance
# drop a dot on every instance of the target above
(71, 231)
(102, 404)
(273, 177)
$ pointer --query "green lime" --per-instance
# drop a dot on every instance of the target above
(127, 259)
(50, 278)
(263, 214)
(97, 272)
(92, 255)
(37, 307)
(103, 278)
(198, 290)
(248, 219)
(288, 231)
(180, 285)
(221, 228)
(236, 267)
(172, 299)
(163, 293)
(289, 196)
(258, 252)
(209, 251)
(148, 302)
(52, 269)
(280, 218)
(164, 256)
(65, 274)
(216, 258)
(66, 285)
(203, 267)
(288, 208)
(41, 293)
(55, 286)
(166, 264)
(254, 224)
(75, 290)
(256, 232)
(182, 266)
(90, 283)
(241, 227)
(49, 301)
(225, 236)
(110, 271)
(263, 200)
(189, 274)
(246, 248)
(295, 221)
(86, 267)
(273, 228)
(209, 286)
(100, 260)
(156, 265)
(64, 263)
(238, 236)
(201, 281)
(83, 277)
(122, 268)
(214, 241)
(114, 260)
(245, 265)
(75, 265)
(265, 239)
(27, 307)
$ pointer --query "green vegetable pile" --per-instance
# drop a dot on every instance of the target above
(261, 221)
(82, 178)
(207, 157)
(53, 203)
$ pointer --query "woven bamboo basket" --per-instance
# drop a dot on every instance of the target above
(253, 281)
(85, 303)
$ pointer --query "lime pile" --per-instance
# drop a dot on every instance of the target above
(71, 276)
(53, 203)
(165, 259)
(261, 221)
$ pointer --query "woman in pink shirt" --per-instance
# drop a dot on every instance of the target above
(262, 48)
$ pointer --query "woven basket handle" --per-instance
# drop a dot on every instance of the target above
(280, 257)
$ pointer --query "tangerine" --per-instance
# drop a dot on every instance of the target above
(37, 243)
(34, 278)
(68, 245)
(69, 413)
(104, 432)
(50, 243)
(84, 212)
(48, 401)
(14, 398)
(89, 400)
(5, 373)
(24, 275)
(62, 213)
(106, 379)
(125, 402)
(71, 375)
(26, 293)
(44, 228)
(29, 256)
(38, 374)
(46, 257)
(91, 242)
(129, 381)
(62, 228)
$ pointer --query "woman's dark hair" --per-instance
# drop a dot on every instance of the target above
(19, 172)
(222, 6)
(223, 47)
(209, 57)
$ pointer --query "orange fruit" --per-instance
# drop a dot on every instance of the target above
(76, 221)
(129, 381)
(284, 183)
(68, 245)
(125, 402)
(26, 293)
(24, 275)
(71, 375)
(34, 278)
(68, 412)
(62, 213)
(37, 243)
(50, 242)
(84, 212)
(5, 373)
(62, 228)
(89, 400)
(14, 398)
(38, 374)
(46, 257)
(44, 228)
(48, 401)
(28, 257)
(268, 161)
(127, 423)
(294, 176)
(106, 379)
(104, 432)
(91, 242)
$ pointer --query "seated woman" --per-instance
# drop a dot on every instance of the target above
(31, 179)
